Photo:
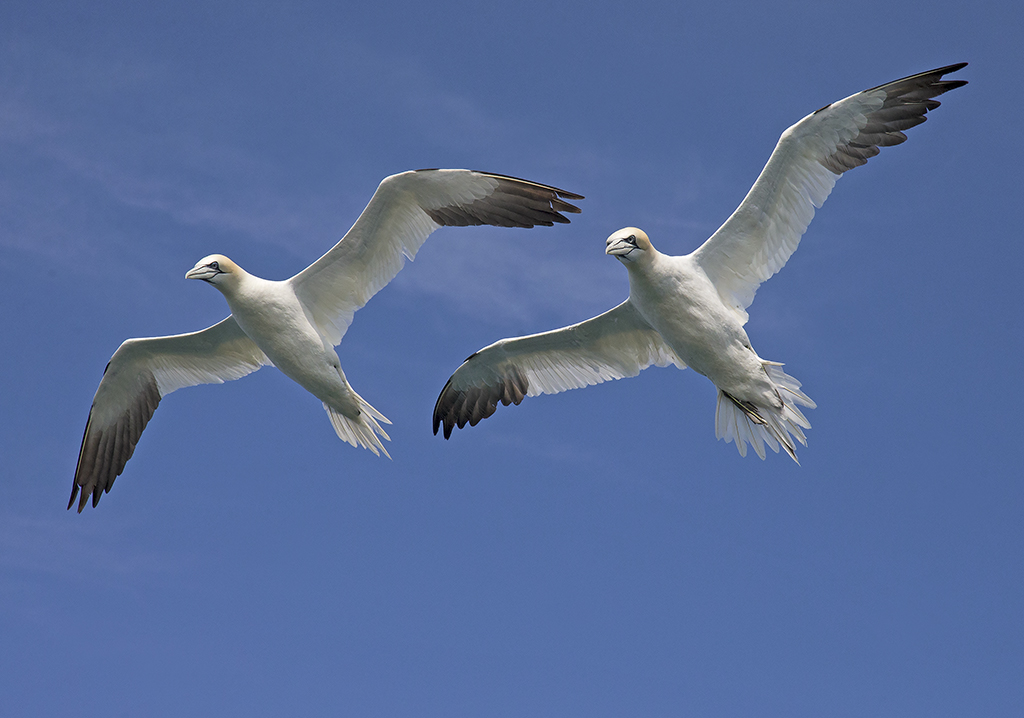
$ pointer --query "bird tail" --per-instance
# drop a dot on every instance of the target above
(363, 430)
(746, 423)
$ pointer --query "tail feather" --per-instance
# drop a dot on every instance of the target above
(745, 423)
(363, 430)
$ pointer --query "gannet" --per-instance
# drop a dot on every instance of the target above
(690, 310)
(296, 323)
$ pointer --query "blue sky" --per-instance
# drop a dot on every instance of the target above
(595, 553)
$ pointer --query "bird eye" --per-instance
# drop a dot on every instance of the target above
(632, 238)
(215, 265)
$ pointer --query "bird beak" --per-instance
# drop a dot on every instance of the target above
(202, 271)
(619, 246)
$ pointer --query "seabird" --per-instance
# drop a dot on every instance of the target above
(296, 323)
(690, 310)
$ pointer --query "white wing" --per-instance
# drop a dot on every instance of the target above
(402, 213)
(759, 237)
(613, 345)
(140, 373)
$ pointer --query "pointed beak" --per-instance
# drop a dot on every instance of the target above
(202, 271)
(619, 246)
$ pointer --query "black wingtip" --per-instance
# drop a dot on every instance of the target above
(437, 417)
(447, 433)
(560, 192)
(948, 85)
(564, 194)
(937, 73)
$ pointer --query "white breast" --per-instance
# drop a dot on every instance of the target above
(273, 317)
(675, 297)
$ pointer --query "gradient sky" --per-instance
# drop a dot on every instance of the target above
(596, 553)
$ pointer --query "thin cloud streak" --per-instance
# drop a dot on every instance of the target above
(205, 186)
(77, 550)
(507, 276)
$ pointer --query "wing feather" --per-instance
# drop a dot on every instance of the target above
(764, 231)
(140, 373)
(613, 345)
(402, 213)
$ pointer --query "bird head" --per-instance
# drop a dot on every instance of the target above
(215, 269)
(628, 245)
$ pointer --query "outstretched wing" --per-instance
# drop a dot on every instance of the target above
(141, 372)
(402, 213)
(613, 345)
(759, 237)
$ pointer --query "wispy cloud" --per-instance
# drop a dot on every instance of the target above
(203, 181)
(209, 185)
(507, 275)
(76, 550)
(195, 179)
(443, 116)
(21, 123)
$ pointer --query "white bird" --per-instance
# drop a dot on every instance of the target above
(690, 310)
(296, 323)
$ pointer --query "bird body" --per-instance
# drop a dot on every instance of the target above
(295, 324)
(691, 310)
(274, 318)
(675, 297)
